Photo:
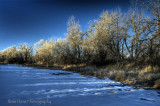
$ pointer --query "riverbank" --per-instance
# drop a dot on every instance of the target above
(140, 76)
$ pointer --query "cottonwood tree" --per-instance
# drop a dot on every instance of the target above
(154, 50)
(100, 38)
(62, 53)
(137, 25)
(9, 55)
(152, 6)
(104, 37)
(44, 51)
(153, 29)
(26, 53)
(74, 39)
(117, 27)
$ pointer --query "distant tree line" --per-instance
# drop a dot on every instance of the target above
(113, 37)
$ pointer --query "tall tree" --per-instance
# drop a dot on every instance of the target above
(75, 38)
(26, 53)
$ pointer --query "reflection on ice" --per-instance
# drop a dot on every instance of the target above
(80, 91)
(67, 83)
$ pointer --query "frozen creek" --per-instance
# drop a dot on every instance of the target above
(23, 86)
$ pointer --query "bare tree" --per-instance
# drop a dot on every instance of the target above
(26, 53)
(44, 51)
(74, 37)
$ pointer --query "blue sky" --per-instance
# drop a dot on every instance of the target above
(28, 21)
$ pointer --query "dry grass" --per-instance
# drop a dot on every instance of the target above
(120, 75)
(130, 73)
(73, 65)
(149, 68)
(129, 65)
(39, 63)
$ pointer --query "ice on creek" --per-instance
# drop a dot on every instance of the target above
(68, 88)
